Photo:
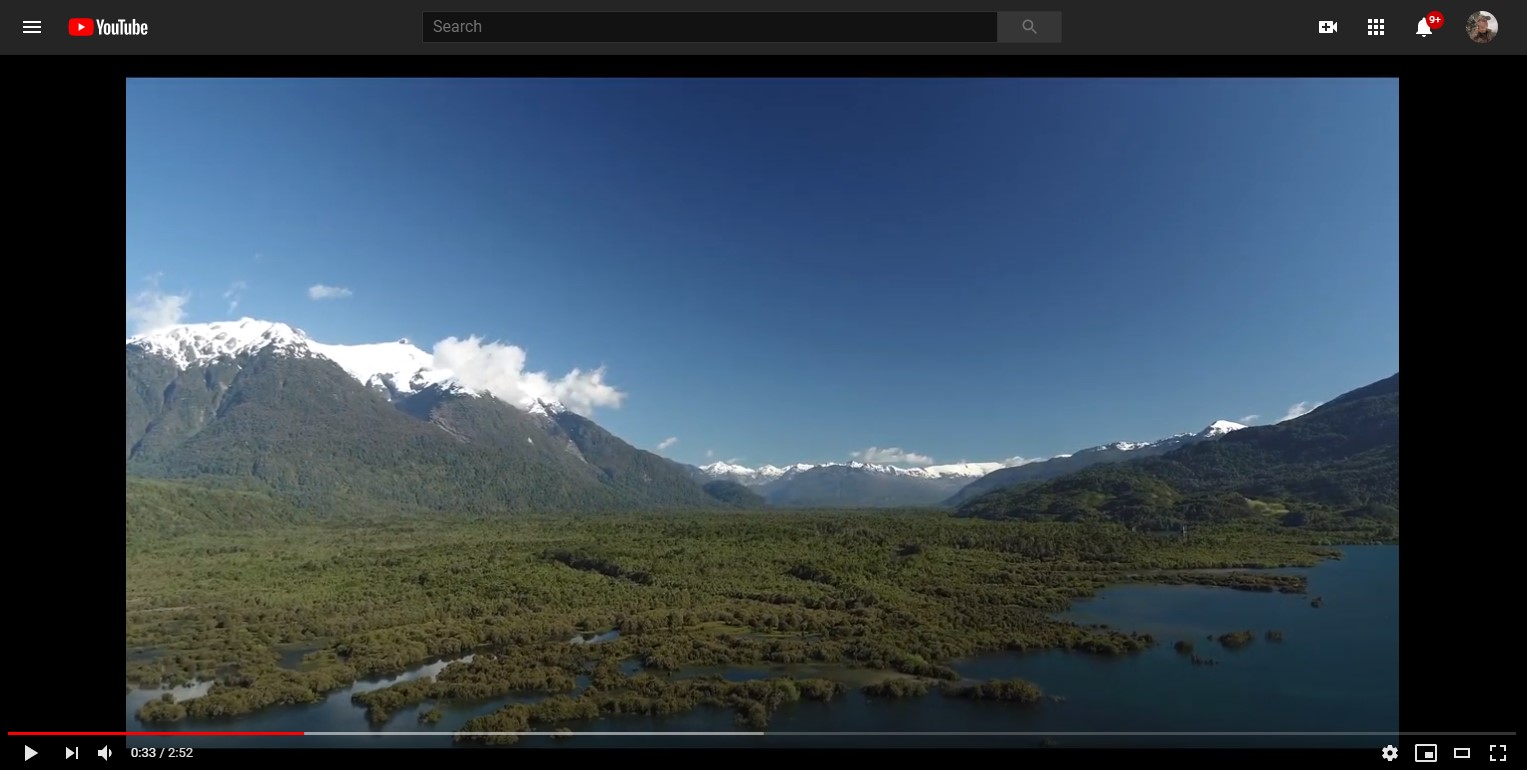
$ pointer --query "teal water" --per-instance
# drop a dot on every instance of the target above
(1336, 670)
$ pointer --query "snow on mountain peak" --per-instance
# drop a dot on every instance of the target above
(1215, 430)
(1220, 428)
(188, 345)
(544, 407)
(760, 475)
(397, 369)
(721, 468)
(767, 473)
(965, 470)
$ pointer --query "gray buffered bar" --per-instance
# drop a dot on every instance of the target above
(1028, 27)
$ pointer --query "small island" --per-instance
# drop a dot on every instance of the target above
(1236, 639)
(901, 687)
(1009, 690)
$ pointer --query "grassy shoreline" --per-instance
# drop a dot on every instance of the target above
(902, 592)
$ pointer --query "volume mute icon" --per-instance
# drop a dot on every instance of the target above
(31, 28)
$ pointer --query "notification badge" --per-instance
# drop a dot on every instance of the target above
(81, 27)
(1434, 21)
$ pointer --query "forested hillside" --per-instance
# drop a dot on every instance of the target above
(1339, 461)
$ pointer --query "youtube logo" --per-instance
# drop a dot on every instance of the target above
(81, 27)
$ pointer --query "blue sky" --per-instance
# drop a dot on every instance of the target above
(783, 271)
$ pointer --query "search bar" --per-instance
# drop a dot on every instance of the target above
(1028, 27)
(741, 27)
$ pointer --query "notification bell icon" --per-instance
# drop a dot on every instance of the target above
(1422, 28)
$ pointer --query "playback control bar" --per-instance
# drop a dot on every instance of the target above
(70, 752)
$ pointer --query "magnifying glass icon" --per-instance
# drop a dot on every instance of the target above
(1028, 26)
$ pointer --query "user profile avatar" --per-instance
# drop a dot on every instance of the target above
(1482, 26)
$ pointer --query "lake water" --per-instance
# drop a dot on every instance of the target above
(1336, 670)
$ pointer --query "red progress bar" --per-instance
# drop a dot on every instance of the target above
(185, 733)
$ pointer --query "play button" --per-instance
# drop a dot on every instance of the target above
(30, 752)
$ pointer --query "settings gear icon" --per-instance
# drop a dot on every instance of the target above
(1390, 753)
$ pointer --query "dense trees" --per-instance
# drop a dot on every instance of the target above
(285, 614)
(1013, 690)
(753, 702)
(159, 508)
(732, 493)
(898, 688)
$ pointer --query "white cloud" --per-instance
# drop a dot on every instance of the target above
(1014, 462)
(1249, 419)
(320, 291)
(234, 293)
(667, 442)
(709, 453)
(152, 309)
(500, 368)
(891, 456)
(1299, 410)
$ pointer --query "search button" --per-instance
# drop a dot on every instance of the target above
(1028, 27)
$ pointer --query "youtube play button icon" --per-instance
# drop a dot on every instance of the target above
(81, 27)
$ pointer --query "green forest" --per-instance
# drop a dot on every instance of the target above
(226, 586)
(281, 577)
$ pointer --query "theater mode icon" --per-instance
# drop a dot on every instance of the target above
(1327, 27)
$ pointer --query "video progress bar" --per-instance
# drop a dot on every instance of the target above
(176, 733)
(731, 734)
(915, 734)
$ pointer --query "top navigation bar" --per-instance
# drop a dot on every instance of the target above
(887, 27)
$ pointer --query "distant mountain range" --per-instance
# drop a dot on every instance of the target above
(1061, 465)
(858, 484)
(251, 420)
(1340, 461)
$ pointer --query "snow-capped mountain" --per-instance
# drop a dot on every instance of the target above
(1219, 428)
(397, 369)
(215, 359)
(261, 405)
(1214, 430)
(767, 474)
(874, 484)
(1060, 465)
